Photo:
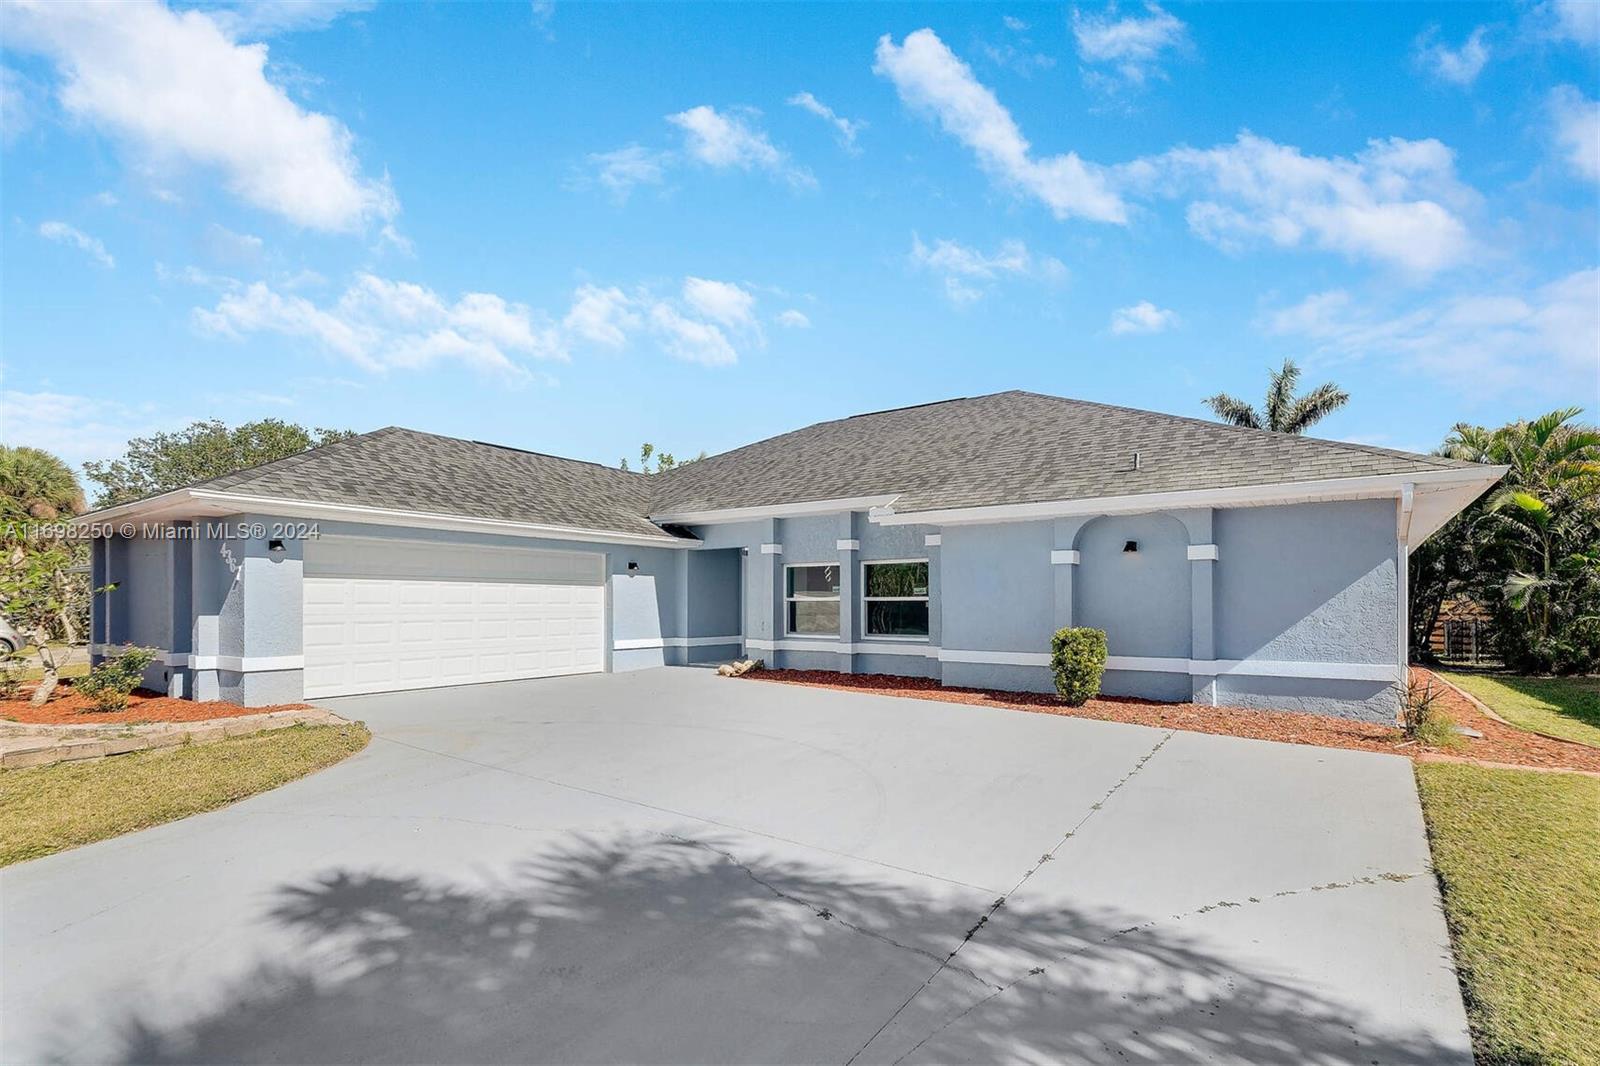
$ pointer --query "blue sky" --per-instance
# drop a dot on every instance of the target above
(572, 228)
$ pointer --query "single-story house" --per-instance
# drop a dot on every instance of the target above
(947, 540)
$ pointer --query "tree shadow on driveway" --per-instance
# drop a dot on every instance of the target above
(651, 948)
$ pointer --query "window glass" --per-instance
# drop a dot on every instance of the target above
(897, 579)
(814, 617)
(813, 581)
(897, 618)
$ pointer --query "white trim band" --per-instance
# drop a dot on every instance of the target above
(1253, 668)
(772, 549)
(838, 648)
(848, 545)
(933, 540)
(642, 643)
(238, 664)
(1202, 552)
(1065, 557)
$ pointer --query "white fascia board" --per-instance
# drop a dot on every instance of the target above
(191, 503)
(776, 510)
(1376, 486)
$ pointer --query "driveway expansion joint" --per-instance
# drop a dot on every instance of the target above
(983, 919)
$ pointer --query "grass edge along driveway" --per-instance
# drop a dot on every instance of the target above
(51, 808)
(1565, 707)
(1517, 854)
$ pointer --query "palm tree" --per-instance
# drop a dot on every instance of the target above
(1544, 515)
(36, 485)
(1285, 412)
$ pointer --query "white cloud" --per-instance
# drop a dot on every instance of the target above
(177, 88)
(624, 169)
(1577, 21)
(931, 79)
(380, 325)
(691, 340)
(543, 12)
(1396, 202)
(846, 128)
(1130, 45)
(603, 316)
(728, 140)
(721, 301)
(1458, 66)
(1577, 129)
(62, 233)
(793, 319)
(255, 19)
(75, 428)
(968, 273)
(1142, 317)
(1546, 341)
(17, 104)
(225, 246)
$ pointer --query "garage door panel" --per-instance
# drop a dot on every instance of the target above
(387, 615)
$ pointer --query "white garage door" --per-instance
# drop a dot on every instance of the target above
(382, 615)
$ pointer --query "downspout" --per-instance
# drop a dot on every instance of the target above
(1403, 558)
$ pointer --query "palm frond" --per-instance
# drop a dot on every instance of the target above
(1280, 394)
(1313, 407)
(1234, 410)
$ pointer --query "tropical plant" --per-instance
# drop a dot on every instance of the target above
(1078, 661)
(36, 486)
(204, 450)
(1422, 720)
(664, 460)
(1284, 412)
(114, 678)
(39, 588)
(1530, 550)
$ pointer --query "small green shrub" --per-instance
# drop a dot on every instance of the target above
(11, 667)
(1421, 719)
(1078, 659)
(112, 679)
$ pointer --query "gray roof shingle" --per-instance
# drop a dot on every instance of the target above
(1004, 448)
(412, 471)
(1011, 447)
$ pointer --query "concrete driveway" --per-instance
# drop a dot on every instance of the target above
(671, 866)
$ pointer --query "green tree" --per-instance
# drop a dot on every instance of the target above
(39, 589)
(1530, 549)
(664, 460)
(206, 449)
(1284, 412)
(37, 486)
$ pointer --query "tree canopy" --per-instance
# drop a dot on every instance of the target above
(664, 460)
(37, 486)
(205, 449)
(1284, 412)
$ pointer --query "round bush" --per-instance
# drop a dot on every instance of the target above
(1078, 659)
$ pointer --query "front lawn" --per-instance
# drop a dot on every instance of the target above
(1566, 707)
(50, 808)
(1518, 859)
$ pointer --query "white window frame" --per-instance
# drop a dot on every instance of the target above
(865, 600)
(789, 597)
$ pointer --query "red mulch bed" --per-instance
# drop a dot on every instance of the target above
(68, 707)
(1500, 743)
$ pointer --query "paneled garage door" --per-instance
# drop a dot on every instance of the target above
(382, 615)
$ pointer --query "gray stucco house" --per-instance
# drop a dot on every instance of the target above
(947, 540)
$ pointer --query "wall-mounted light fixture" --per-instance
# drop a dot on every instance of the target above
(276, 546)
(632, 566)
(1131, 546)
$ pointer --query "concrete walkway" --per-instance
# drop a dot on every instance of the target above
(666, 866)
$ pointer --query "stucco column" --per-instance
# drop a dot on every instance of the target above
(1064, 561)
(849, 547)
(764, 601)
(1203, 556)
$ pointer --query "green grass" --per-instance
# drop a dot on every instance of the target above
(1518, 858)
(50, 808)
(1566, 707)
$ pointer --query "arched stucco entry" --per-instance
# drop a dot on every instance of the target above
(1141, 598)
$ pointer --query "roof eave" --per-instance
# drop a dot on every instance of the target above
(208, 503)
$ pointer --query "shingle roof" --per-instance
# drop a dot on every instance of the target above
(1011, 447)
(1008, 447)
(407, 470)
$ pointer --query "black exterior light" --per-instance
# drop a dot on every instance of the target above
(632, 566)
(275, 545)
(1131, 546)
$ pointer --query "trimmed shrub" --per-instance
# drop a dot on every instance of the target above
(1078, 659)
(112, 680)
